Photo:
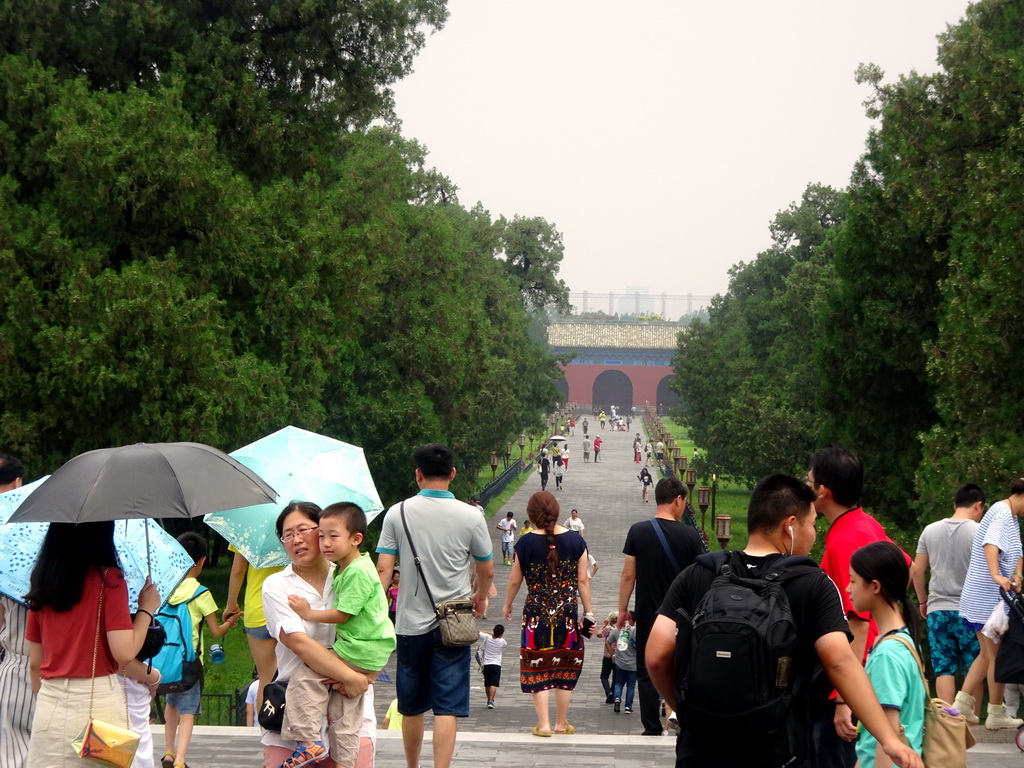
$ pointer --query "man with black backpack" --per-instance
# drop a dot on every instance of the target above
(751, 626)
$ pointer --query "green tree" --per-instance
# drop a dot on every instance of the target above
(533, 252)
(746, 378)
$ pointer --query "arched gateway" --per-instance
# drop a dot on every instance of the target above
(617, 363)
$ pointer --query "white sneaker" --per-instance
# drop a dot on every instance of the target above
(965, 703)
(998, 719)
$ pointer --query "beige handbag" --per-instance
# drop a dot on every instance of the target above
(946, 736)
(99, 741)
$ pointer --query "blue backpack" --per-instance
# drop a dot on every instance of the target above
(179, 664)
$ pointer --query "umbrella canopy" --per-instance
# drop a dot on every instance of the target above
(11, 500)
(144, 480)
(303, 466)
(168, 561)
(557, 438)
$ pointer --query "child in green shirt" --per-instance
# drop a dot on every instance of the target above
(365, 639)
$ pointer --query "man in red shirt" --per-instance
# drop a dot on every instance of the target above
(837, 477)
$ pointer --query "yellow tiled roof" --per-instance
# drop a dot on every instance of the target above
(614, 335)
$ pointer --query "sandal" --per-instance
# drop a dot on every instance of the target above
(167, 761)
(538, 732)
(177, 764)
(303, 756)
(569, 730)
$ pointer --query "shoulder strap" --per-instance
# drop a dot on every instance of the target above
(664, 545)
(913, 652)
(415, 557)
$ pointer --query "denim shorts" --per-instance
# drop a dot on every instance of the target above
(951, 642)
(258, 633)
(188, 701)
(432, 676)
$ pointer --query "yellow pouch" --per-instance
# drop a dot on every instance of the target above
(107, 744)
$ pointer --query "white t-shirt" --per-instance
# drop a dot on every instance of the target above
(493, 647)
(250, 698)
(574, 524)
(508, 530)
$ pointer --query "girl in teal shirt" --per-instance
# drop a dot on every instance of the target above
(879, 574)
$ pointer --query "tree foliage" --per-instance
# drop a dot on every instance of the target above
(746, 377)
(908, 351)
(200, 243)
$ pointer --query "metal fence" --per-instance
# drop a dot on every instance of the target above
(689, 515)
(500, 483)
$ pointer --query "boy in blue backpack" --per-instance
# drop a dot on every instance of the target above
(181, 708)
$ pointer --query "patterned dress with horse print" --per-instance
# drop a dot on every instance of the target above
(551, 652)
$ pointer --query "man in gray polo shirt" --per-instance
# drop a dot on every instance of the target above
(448, 535)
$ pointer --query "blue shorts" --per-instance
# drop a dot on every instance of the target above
(432, 676)
(187, 702)
(258, 633)
(951, 643)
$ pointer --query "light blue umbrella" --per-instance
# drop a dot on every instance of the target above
(302, 466)
(11, 500)
(167, 563)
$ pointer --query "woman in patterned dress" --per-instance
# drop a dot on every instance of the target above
(553, 561)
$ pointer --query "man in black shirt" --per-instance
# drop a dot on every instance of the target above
(780, 522)
(652, 574)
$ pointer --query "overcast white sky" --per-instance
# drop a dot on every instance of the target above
(659, 136)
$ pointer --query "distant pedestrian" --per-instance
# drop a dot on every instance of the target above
(586, 425)
(574, 523)
(659, 452)
(544, 466)
(646, 482)
(597, 449)
(637, 442)
(587, 445)
(493, 644)
(565, 457)
(602, 418)
(572, 427)
(508, 536)
(558, 471)
(625, 665)
(647, 453)
(608, 659)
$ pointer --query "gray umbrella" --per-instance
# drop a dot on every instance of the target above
(144, 480)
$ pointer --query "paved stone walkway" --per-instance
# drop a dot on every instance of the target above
(607, 495)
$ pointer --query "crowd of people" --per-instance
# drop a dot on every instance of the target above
(325, 625)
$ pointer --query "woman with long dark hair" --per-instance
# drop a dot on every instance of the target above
(553, 561)
(74, 671)
(879, 575)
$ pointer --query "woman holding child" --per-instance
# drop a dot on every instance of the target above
(309, 576)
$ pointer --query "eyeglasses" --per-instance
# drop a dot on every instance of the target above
(297, 532)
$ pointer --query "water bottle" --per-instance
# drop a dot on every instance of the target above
(217, 653)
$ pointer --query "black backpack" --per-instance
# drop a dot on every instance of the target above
(736, 655)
